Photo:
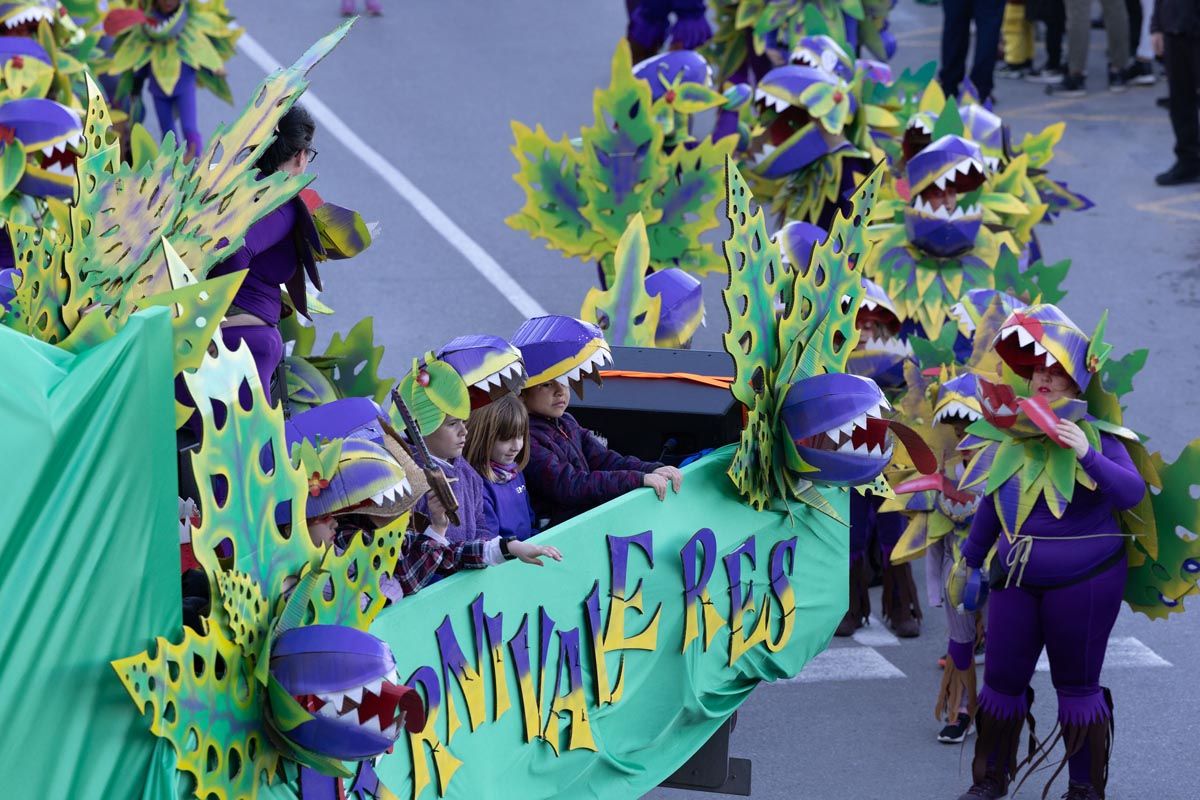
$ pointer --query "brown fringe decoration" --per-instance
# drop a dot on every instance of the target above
(1097, 737)
(998, 741)
(957, 685)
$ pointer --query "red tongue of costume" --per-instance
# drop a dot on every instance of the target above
(120, 20)
(1036, 408)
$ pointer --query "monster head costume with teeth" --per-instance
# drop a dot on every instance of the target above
(880, 354)
(490, 366)
(562, 349)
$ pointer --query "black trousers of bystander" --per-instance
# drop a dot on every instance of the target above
(957, 16)
(1181, 57)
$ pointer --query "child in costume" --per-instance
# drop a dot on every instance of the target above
(446, 444)
(1056, 479)
(498, 449)
(570, 470)
(277, 252)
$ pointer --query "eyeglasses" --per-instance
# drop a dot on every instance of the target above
(312, 154)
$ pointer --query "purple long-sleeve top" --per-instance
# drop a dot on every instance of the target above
(1119, 487)
(269, 255)
(571, 471)
(468, 488)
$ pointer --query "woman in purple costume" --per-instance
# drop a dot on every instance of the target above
(1063, 573)
(278, 252)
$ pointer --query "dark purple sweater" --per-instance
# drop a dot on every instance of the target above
(468, 488)
(269, 255)
(1052, 563)
(571, 471)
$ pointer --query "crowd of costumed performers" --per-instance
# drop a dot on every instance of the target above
(893, 328)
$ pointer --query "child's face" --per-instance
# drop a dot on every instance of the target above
(322, 530)
(447, 441)
(506, 451)
(547, 399)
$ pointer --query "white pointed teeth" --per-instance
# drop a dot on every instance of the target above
(893, 345)
(561, 380)
(993, 163)
(955, 412)
(355, 695)
(867, 303)
(328, 710)
(764, 154)
(877, 411)
(770, 100)
(393, 731)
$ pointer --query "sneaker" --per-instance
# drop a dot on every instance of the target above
(1070, 86)
(958, 732)
(1179, 174)
(1016, 71)
(1046, 74)
(1118, 80)
(1141, 73)
(990, 788)
(1081, 791)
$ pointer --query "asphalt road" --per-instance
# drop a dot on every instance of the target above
(432, 87)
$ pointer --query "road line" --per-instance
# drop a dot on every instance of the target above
(875, 634)
(846, 664)
(483, 263)
(1124, 652)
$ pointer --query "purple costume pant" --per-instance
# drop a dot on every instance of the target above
(1073, 623)
(183, 101)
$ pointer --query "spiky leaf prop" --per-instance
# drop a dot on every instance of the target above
(580, 198)
(632, 314)
(1163, 573)
(203, 207)
(815, 334)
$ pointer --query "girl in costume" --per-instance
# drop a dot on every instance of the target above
(570, 469)
(1056, 480)
(278, 252)
(498, 449)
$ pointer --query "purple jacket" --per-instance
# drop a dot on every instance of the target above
(1054, 563)
(273, 256)
(571, 471)
(468, 488)
(506, 506)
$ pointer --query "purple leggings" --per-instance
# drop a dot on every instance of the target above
(1073, 623)
(182, 100)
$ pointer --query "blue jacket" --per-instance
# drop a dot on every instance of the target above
(506, 506)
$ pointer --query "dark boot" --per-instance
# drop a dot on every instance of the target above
(901, 608)
(860, 600)
(1089, 738)
(997, 743)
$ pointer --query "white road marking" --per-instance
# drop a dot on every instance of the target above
(875, 634)
(846, 664)
(330, 122)
(1123, 652)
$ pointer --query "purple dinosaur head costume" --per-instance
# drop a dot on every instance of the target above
(958, 401)
(45, 130)
(824, 53)
(985, 129)
(563, 349)
(792, 138)
(345, 679)
(918, 133)
(677, 66)
(796, 242)
(881, 350)
(490, 366)
(1042, 335)
(681, 310)
(834, 420)
(938, 177)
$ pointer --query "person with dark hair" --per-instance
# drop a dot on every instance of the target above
(278, 251)
(350, 8)
(957, 16)
(1175, 35)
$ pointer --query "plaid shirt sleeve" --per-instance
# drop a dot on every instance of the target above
(422, 557)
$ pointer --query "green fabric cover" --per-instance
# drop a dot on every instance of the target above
(89, 554)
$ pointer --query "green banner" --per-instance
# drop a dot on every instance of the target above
(89, 554)
(599, 676)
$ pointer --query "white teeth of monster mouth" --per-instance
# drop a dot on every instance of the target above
(1002, 411)
(1025, 341)
(892, 344)
(764, 154)
(600, 358)
(919, 124)
(961, 168)
(959, 312)
(954, 411)
(393, 493)
(993, 163)
(34, 14)
(777, 103)
(941, 212)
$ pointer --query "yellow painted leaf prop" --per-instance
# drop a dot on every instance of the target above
(627, 313)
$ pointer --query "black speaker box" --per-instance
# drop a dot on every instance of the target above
(657, 418)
